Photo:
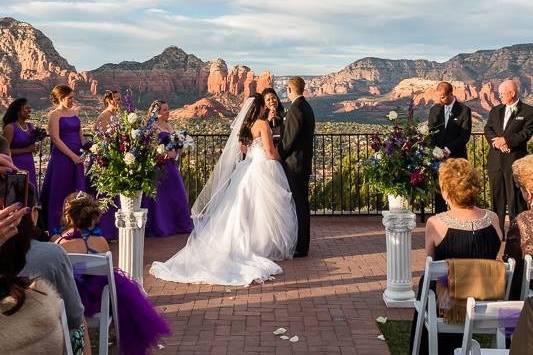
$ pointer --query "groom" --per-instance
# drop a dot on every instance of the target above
(296, 151)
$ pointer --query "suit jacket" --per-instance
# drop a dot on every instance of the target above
(296, 145)
(517, 134)
(457, 132)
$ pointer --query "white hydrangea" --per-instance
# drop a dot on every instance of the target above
(135, 133)
(392, 115)
(94, 148)
(133, 118)
(438, 153)
(129, 158)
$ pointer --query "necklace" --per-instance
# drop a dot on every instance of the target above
(20, 126)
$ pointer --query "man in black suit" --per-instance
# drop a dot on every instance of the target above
(296, 151)
(508, 130)
(451, 123)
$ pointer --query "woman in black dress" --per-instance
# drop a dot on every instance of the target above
(463, 232)
(275, 113)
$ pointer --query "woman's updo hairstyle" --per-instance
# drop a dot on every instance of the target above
(59, 92)
(460, 181)
(108, 97)
(80, 210)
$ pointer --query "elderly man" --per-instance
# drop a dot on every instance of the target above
(508, 130)
(451, 124)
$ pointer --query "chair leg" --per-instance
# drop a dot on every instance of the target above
(433, 345)
(104, 322)
(418, 330)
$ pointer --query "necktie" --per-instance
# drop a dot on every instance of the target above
(507, 116)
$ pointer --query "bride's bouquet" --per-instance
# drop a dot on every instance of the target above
(124, 156)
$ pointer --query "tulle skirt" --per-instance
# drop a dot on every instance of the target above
(244, 228)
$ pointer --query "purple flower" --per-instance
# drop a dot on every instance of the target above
(127, 102)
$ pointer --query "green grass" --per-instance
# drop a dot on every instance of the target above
(397, 335)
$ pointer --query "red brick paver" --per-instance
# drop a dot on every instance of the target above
(330, 299)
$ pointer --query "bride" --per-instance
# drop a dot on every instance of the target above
(244, 217)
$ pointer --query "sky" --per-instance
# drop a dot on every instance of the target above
(305, 37)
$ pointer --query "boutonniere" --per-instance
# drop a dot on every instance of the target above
(514, 110)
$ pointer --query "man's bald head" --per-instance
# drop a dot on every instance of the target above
(508, 91)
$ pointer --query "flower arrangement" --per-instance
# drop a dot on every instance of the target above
(403, 163)
(124, 156)
(178, 140)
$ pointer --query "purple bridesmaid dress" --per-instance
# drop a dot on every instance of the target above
(168, 213)
(62, 176)
(23, 139)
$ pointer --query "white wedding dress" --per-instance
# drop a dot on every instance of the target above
(248, 221)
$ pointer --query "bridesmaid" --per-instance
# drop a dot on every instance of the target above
(112, 101)
(64, 174)
(21, 136)
(169, 213)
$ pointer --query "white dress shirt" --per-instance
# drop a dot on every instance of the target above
(448, 112)
(508, 113)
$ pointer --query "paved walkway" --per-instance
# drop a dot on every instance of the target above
(330, 299)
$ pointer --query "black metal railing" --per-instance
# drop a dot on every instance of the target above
(336, 186)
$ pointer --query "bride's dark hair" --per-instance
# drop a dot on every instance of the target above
(256, 112)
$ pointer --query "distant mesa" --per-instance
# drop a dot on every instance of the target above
(30, 66)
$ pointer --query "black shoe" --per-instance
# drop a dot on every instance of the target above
(299, 255)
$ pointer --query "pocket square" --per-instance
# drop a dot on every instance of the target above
(520, 118)
(455, 119)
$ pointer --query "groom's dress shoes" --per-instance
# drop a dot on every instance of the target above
(299, 255)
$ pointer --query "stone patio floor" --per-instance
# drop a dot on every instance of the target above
(330, 299)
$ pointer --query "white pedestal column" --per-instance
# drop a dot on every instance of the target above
(398, 228)
(130, 226)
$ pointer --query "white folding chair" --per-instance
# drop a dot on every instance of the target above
(427, 305)
(481, 316)
(64, 328)
(526, 278)
(101, 265)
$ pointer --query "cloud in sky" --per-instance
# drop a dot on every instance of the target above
(285, 37)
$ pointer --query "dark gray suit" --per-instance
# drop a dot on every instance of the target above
(296, 151)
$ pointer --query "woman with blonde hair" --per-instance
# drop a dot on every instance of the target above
(64, 174)
(520, 235)
(465, 231)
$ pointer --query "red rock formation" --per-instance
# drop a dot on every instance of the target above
(30, 65)
(203, 108)
(240, 80)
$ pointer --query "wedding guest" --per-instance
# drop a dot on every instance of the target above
(20, 135)
(29, 309)
(140, 324)
(168, 212)
(275, 112)
(508, 130)
(451, 123)
(465, 231)
(64, 173)
(111, 101)
(520, 235)
(50, 262)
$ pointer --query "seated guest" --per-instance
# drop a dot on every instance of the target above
(464, 231)
(50, 262)
(29, 309)
(140, 325)
(520, 234)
